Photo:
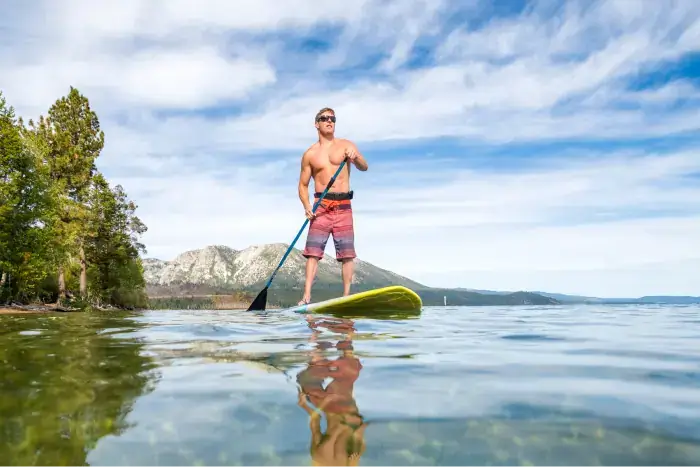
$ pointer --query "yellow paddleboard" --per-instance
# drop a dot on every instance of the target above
(394, 301)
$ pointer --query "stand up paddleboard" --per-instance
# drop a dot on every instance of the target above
(392, 300)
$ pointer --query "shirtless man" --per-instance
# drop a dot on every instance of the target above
(334, 215)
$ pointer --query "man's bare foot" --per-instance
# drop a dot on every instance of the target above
(305, 300)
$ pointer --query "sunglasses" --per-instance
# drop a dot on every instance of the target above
(325, 118)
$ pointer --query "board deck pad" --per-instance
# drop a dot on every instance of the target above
(393, 300)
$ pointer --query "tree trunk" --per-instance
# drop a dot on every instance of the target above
(61, 284)
(3, 280)
(83, 273)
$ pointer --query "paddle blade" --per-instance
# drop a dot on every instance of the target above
(259, 302)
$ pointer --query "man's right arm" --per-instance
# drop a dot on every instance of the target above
(304, 179)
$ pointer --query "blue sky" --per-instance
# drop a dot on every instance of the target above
(525, 146)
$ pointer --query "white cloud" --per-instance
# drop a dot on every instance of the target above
(466, 94)
(161, 73)
(203, 78)
(152, 78)
(163, 18)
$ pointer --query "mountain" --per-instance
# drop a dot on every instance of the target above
(219, 266)
(571, 299)
(670, 300)
(219, 269)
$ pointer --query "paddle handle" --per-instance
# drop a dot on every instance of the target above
(313, 210)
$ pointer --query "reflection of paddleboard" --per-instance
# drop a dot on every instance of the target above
(392, 300)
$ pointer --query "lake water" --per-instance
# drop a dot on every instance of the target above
(576, 385)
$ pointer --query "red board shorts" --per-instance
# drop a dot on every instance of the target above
(332, 217)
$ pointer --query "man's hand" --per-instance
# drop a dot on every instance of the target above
(354, 157)
(350, 154)
(309, 213)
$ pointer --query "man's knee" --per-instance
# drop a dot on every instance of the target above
(311, 258)
(345, 257)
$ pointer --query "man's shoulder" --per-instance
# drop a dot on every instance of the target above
(310, 150)
(344, 142)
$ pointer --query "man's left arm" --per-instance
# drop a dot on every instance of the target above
(355, 156)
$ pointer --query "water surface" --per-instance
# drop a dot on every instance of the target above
(567, 385)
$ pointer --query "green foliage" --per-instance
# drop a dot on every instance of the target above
(181, 303)
(62, 226)
(111, 242)
(25, 212)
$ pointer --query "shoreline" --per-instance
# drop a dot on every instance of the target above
(32, 309)
(53, 308)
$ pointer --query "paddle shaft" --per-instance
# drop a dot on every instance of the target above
(313, 210)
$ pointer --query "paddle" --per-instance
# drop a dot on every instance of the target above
(261, 300)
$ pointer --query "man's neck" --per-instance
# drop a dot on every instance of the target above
(325, 140)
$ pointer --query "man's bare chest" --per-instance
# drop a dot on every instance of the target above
(327, 159)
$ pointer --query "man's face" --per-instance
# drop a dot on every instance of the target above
(326, 122)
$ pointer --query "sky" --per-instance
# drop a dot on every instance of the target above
(544, 145)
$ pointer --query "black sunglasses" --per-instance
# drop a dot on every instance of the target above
(325, 118)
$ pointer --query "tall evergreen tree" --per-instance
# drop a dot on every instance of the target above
(74, 140)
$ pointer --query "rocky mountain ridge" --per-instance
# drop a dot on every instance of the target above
(224, 267)
(219, 269)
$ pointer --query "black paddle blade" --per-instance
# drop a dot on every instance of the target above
(259, 302)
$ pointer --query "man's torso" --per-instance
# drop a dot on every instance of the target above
(325, 161)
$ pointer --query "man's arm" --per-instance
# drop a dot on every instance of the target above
(304, 179)
(356, 157)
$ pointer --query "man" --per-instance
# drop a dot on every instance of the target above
(334, 215)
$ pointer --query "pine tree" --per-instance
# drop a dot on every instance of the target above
(74, 140)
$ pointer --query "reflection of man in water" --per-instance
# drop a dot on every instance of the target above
(343, 443)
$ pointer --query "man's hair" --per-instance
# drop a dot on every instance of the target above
(325, 109)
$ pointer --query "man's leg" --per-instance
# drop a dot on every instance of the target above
(319, 230)
(347, 270)
(344, 240)
(311, 267)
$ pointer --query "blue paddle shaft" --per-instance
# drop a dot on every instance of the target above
(316, 205)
